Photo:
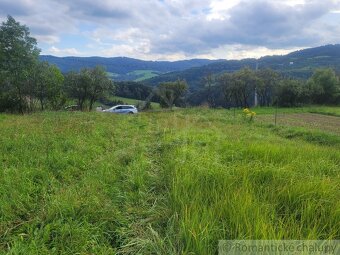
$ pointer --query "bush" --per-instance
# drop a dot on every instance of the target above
(144, 105)
(291, 93)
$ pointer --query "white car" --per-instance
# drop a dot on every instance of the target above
(124, 109)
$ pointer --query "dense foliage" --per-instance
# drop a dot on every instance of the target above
(87, 86)
(267, 87)
(171, 93)
(27, 84)
(18, 57)
(131, 89)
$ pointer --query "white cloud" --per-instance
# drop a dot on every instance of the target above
(220, 9)
(62, 52)
(240, 52)
(173, 28)
(49, 39)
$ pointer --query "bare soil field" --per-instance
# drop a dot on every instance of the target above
(306, 120)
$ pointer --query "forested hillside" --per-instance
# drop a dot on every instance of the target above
(299, 64)
(122, 68)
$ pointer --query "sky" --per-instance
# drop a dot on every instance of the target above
(175, 29)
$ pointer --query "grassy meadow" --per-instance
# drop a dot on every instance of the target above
(172, 182)
(144, 74)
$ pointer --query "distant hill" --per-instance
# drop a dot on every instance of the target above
(298, 64)
(122, 68)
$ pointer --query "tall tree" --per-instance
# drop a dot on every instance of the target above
(240, 86)
(77, 86)
(87, 86)
(100, 85)
(324, 87)
(18, 53)
(245, 82)
(290, 93)
(48, 89)
(209, 81)
(226, 83)
(268, 80)
(170, 93)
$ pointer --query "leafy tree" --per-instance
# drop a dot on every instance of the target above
(245, 82)
(77, 86)
(18, 53)
(209, 81)
(324, 87)
(268, 80)
(87, 86)
(135, 90)
(226, 83)
(170, 93)
(144, 105)
(49, 86)
(239, 87)
(199, 97)
(100, 85)
(290, 93)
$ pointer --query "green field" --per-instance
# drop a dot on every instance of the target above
(171, 182)
(112, 75)
(143, 74)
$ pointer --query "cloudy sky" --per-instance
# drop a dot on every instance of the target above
(177, 29)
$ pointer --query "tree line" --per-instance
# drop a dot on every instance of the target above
(267, 87)
(240, 88)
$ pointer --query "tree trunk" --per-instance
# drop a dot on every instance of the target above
(41, 104)
(92, 100)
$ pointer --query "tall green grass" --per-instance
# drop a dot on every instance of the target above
(159, 183)
(73, 182)
(240, 182)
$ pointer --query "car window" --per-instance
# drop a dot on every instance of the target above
(127, 107)
(119, 107)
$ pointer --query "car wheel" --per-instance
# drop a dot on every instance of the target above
(130, 112)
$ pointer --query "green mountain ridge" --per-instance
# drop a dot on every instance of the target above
(123, 68)
(298, 64)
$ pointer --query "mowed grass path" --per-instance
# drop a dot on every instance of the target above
(159, 183)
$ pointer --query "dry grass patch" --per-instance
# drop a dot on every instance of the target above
(306, 120)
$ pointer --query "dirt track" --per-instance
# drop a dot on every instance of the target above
(308, 120)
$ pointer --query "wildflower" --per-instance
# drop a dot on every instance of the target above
(246, 110)
(249, 114)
